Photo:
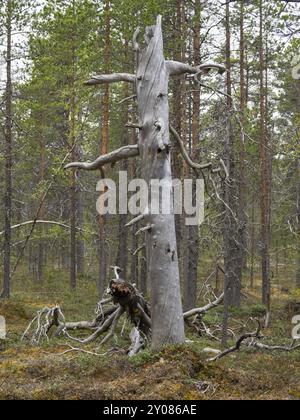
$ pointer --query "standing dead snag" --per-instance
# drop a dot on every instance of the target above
(151, 93)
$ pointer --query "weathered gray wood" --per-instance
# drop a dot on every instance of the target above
(163, 269)
(111, 78)
(125, 152)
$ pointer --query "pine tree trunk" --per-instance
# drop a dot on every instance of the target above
(104, 150)
(178, 113)
(190, 284)
(8, 155)
(80, 241)
(252, 239)
(42, 210)
(232, 285)
(242, 231)
(265, 174)
(298, 222)
(73, 212)
(73, 186)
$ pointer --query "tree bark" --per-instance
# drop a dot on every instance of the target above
(8, 153)
(104, 148)
(190, 286)
(80, 241)
(253, 242)
(42, 169)
(298, 224)
(179, 114)
(265, 176)
(72, 143)
(232, 282)
(242, 233)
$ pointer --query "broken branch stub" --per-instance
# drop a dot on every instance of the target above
(110, 78)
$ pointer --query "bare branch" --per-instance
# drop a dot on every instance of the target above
(112, 330)
(185, 154)
(237, 346)
(139, 249)
(261, 346)
(177, 68)
(75, 349)
(135, 220)
(42, 222)
(129, 98)
(111, 158)
(204, 309)
(103, 328)
(110, 78)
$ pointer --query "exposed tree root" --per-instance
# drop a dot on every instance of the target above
(137, 342)
(43, 323)
(126, 300)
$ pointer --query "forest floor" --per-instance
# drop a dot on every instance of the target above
(41, 373)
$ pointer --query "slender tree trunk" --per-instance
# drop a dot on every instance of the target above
(190, 284)
(298, 223)
(104, 148)
(252, 241)
(73, 184)
(232, 281)
(178, 112)
(8, 154)
(80, 241)
(42, 210)
(242, 237)
(73, 213)
(265, 176)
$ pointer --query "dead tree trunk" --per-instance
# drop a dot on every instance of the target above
(151, 89)
(152, 95)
